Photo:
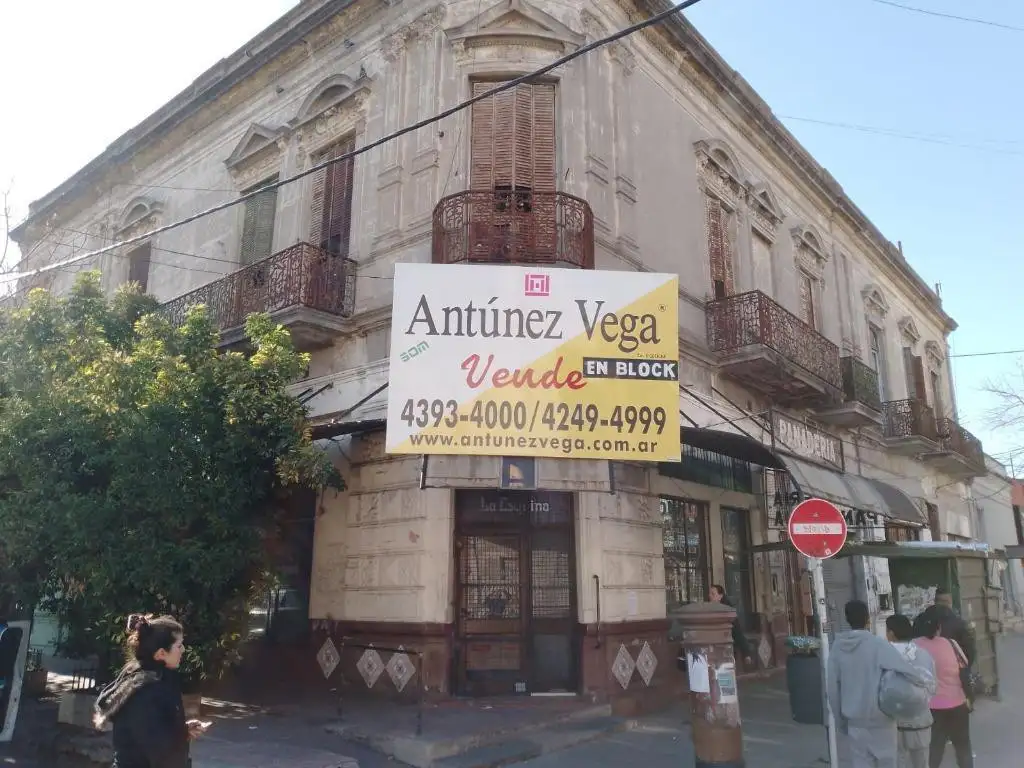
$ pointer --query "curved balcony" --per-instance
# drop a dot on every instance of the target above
(514, 227)
(768, 349)
(305, 288)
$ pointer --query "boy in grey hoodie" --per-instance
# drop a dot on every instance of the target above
(855, 668)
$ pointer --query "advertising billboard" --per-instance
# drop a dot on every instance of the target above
(517, 361)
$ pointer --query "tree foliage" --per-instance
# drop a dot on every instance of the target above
(140, 468)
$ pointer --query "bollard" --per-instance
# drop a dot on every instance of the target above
(714, 696)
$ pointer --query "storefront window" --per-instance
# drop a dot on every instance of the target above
(736, 550)
(714, 469)
(685, 546)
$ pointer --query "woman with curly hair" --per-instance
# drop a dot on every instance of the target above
(144, 702)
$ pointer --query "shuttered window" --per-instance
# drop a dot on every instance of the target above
(138, 266)
(331, 220)
(719, 248)
(807, 313)
(512, 143)
(258, 226)
(914, 367)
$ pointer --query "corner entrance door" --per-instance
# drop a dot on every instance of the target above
(515, 593)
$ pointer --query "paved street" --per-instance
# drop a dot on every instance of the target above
(772, 740)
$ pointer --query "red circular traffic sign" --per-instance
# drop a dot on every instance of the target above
(817, 528)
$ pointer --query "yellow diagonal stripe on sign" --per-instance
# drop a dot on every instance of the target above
(610, 398)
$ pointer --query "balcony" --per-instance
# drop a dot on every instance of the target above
(514, 227)
(961, 454)
(910, 428)
(304, 288)
(770, 350)
(862, 404)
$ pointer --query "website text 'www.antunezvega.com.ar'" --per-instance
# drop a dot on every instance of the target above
(567, 445)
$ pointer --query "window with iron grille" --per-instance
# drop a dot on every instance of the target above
(138, 266)
(331, 219)
(258, 224)
(685, 542)
(709, 468)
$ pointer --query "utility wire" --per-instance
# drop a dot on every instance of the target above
(653, 20)
(893, 133)
(989, 354)
(952, 16)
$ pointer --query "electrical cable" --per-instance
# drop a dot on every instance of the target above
(951, 16)
(641, 25)
(893, 133)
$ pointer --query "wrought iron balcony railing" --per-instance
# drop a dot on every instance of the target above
(513, 227)
(300, 276)
(957, 439)
(909, 418)
(860, 383)
(737, 322)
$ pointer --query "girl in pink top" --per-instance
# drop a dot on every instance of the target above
(949, 706)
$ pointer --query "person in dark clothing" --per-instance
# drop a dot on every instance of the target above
(953, 626)
(739, 639)
(144, 702)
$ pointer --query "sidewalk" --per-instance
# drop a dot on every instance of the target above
(773, 740)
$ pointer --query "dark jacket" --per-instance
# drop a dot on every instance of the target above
(145, 707)
(956, 628)
(739, 639)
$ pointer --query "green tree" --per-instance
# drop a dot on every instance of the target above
(140, 468)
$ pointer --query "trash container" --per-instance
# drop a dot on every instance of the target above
(804, 681)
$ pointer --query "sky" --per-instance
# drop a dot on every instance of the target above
(918, 117)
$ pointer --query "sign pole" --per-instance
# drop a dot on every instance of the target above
(817, 529)
(818, 582)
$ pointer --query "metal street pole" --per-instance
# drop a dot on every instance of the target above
(818, 585)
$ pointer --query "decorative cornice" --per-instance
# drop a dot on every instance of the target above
(394, 45)
(515, 23)
(874, 300)
(934, 352)
(718, 171)
(766, 213)
(256, 138)
(909, 330)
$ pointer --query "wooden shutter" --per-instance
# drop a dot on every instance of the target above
(331, 219)
(908, 371)
(258, 226)
(512, 139)
(920, 383)
(719, 248)
(138, 266)
(807, 299)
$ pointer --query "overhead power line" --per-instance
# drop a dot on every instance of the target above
(897, 134)
(653, 20)
(951, 16)
(990, 354)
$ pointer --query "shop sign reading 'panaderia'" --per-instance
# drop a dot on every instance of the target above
(509, 361)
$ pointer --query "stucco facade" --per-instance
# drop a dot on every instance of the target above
(658, 136)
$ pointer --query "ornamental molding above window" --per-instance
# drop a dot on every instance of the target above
(875, 303)
(718, 172)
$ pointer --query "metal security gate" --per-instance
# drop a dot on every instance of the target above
(516, 629)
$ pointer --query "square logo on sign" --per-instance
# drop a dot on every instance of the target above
(538, 285)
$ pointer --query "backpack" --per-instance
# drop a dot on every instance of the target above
(901, 699)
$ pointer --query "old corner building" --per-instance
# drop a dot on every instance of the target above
(812, 358)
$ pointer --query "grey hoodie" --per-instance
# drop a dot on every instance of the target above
(921, 659)
(855, 668)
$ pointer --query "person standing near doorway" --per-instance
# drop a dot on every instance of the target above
(855, 668)
(739, 639)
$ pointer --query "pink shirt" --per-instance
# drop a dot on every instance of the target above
(950, 693)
